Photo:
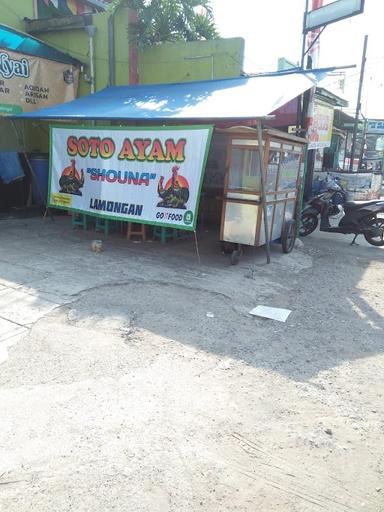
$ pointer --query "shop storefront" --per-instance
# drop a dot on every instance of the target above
(148, 165)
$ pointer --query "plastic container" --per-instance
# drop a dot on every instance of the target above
(40, 164)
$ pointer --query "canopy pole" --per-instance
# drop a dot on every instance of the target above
(263, 199)
(197, 248)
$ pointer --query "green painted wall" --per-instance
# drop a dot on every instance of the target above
(13, 12)
(75, 42)
(184, 62)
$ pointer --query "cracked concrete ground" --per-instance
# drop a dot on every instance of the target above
(117, 392)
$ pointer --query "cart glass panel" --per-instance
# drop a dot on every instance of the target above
(272, 170)
(278, 221)
(270, 209)
(289, 170)
(244, 171)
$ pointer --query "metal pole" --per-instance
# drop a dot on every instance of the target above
(91, 31)
(304, 34)
(35, 10)
(197, 248)
(92, 63)
(300, 98)
(345, 150)
(358, 104)
(263, 201)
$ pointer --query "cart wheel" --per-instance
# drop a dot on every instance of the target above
(237, 254)
(288, 236)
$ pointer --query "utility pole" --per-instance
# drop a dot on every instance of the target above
(304, 34)
(308, 112)
(358, 104)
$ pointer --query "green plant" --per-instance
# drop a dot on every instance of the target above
(170, 20)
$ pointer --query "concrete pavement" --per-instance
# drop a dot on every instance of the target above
(120, 393)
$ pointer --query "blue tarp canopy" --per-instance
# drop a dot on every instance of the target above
(11, 39)
(233, 98)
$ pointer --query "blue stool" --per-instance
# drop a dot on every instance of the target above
(105, 226)
(164, 234)
(79, 220)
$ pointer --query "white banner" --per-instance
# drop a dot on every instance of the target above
(150, 175)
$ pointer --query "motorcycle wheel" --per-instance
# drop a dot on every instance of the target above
(309, 223)
(378, 241)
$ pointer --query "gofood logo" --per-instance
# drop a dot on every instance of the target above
(13, 67)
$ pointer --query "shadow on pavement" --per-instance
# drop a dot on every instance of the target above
(337, 303)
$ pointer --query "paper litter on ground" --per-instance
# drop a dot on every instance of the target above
(279, 314)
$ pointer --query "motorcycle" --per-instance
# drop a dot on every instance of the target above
(334, 193)
(359, 218)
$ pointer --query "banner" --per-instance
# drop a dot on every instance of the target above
(150, 175)
(28, 83)
(375, 126)
(320, 126)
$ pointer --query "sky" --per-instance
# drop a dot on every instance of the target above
(273, 29)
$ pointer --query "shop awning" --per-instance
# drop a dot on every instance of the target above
(20, 42)
(234, 98)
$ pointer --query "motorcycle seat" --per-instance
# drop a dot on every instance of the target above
(354, 205)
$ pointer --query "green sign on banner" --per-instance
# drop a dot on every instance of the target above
(10, 109)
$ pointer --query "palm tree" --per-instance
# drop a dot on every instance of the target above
(171, 20)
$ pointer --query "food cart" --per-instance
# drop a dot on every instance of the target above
(261, 188)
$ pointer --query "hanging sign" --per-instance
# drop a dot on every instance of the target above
(332, 12)
(149, 175)
(320, 125)
(28, 83)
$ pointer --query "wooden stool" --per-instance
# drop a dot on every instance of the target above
(139, 231)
